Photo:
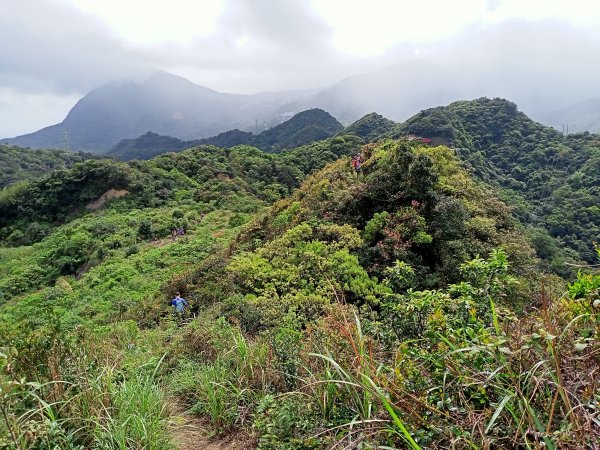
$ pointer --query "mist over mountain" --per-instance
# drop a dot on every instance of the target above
(495, 62)
(581, 116)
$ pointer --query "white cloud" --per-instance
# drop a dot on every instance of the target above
(576, 12)
(154, 21)
(374, 27)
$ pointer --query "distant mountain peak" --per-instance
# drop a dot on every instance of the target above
(167, 80)
(370, 127)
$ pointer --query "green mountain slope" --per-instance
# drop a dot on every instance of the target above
(20, 164)
(147, 146)
(550, 180)
(29, 211)
(303, 128)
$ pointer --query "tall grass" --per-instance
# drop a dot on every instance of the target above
(521, 384)
(102, 411)
(135, 419)
(362, 391)
(229, 373)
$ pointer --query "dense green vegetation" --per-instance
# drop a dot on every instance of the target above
(20, 164)
(205, 174)
(402, 306)
(550, 180)
(303, 128)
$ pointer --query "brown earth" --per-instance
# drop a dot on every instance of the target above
(108, 195)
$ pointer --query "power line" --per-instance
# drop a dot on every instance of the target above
(66, 141)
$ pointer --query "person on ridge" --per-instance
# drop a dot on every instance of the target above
(358, 162)
(179, 304)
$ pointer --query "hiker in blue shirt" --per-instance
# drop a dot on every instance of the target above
(179, 304)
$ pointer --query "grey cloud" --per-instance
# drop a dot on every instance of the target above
(55, 47)
(290, 24)
(285, 44)
(48, 46)
(540, 65)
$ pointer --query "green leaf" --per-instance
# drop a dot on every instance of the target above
(497, 412)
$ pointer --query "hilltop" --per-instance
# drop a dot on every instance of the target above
(549, 179)
(371, 127)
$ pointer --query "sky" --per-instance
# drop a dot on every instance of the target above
(52, 52)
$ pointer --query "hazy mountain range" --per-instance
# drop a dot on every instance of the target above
(170, 105)
(582, 116)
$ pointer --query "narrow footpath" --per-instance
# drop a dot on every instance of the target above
(191, 433)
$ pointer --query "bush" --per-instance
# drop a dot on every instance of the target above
(145, 230)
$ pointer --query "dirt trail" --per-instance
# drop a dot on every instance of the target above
(191, 433)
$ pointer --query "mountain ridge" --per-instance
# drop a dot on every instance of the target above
(540, 172)
(168, 104)
(305, 127)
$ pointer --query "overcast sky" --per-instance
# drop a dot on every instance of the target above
(54, 51)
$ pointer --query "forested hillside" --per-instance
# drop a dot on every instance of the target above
(29, 211)
(20, 164)
(371, 127)
(303, 128)
(147, 146)
(551, 181)
(401, 305)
